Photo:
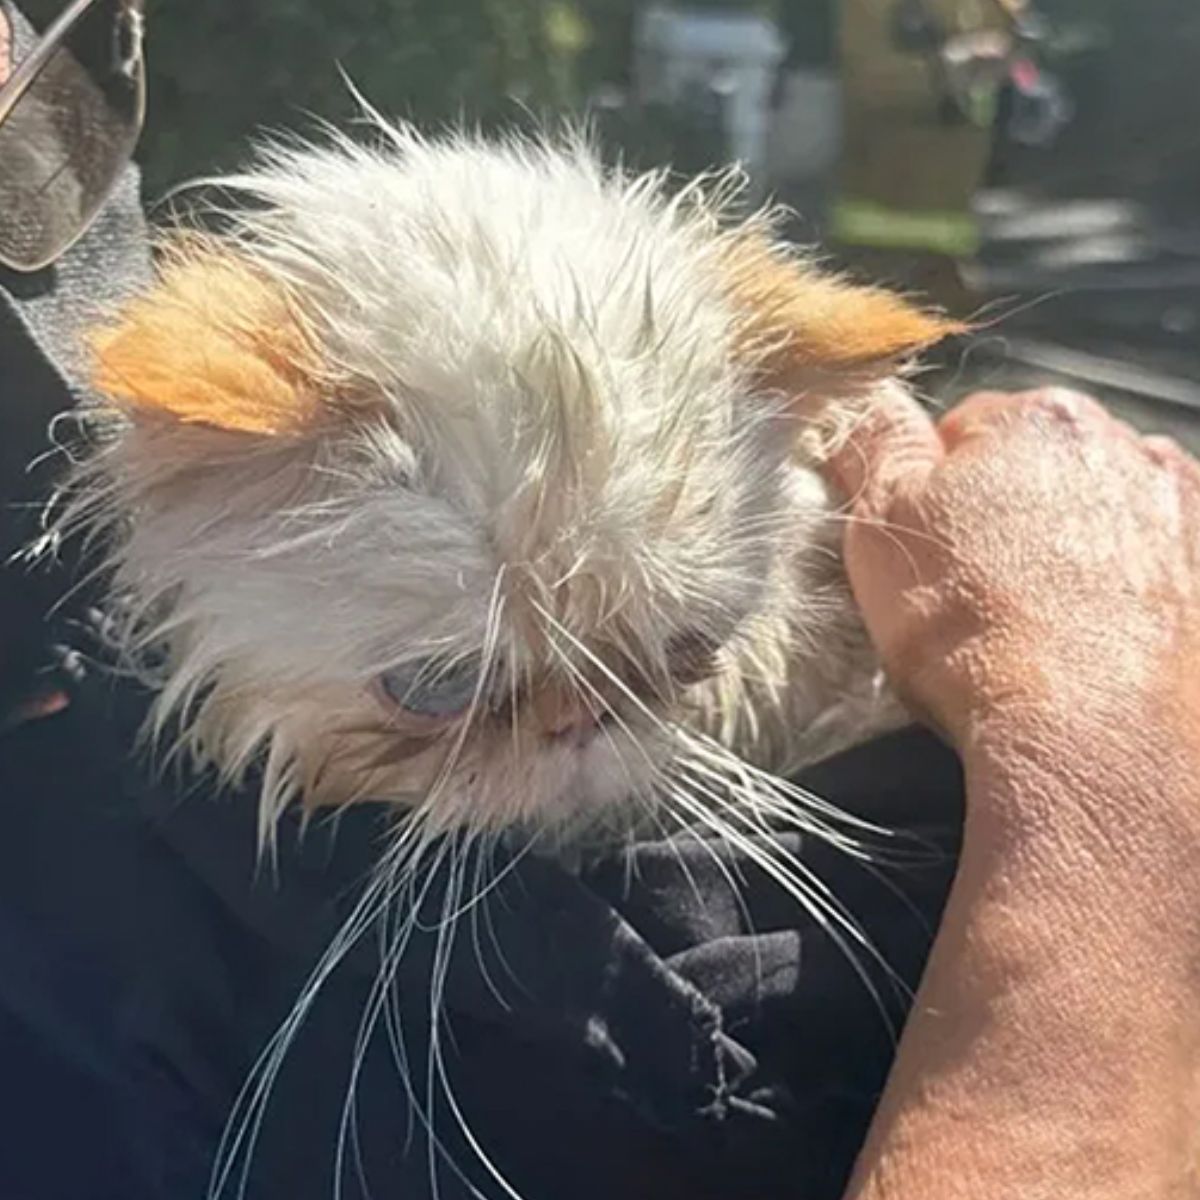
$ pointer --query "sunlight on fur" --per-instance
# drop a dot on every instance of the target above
(478, 478)
(487, 409)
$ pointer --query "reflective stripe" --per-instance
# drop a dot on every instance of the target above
(865, 223)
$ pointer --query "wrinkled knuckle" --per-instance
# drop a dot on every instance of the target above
(1061, 407)
(1042, 411)
(1166, 451)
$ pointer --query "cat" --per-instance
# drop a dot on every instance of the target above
(477, 477)
(480, 479)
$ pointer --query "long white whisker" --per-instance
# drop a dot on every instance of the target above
(660, 778)
(242, 1128)
(249, 1109)
(702, 745)
(437, 1071)
(377, 1004)
(798, 880)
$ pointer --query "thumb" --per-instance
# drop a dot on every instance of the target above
(892, 447)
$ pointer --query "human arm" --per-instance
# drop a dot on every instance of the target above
(1030, 572)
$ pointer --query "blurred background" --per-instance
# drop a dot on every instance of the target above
(1032, 164)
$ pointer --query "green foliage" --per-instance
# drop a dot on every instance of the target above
(222, 69)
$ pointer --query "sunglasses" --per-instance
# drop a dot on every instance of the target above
(70, 117)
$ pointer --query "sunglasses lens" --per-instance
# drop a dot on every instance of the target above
(65, 143)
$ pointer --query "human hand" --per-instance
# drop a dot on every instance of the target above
(1028, 550)
(1029, 569)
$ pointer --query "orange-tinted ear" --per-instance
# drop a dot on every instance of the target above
(807, 330)
(214, 343)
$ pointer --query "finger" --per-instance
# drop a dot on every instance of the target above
(1178, 462)
(893, 446)
(1167, 452)
(980, 414)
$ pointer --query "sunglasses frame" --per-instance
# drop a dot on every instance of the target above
(25, 74)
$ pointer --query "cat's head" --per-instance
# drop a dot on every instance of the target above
(451, 473)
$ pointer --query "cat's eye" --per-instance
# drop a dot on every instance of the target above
(692, 657)
(434, 689)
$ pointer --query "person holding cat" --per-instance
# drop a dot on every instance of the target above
(1027, 568)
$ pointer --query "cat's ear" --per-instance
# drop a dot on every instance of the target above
(810, 333)
(214, 343)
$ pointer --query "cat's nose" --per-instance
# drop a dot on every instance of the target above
(561, 714)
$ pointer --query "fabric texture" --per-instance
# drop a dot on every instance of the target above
(665, 1023)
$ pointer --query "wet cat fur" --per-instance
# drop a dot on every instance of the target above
(489, 409)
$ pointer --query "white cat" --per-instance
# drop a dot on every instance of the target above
(478, 478)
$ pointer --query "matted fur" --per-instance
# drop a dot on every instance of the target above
(487, 401)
